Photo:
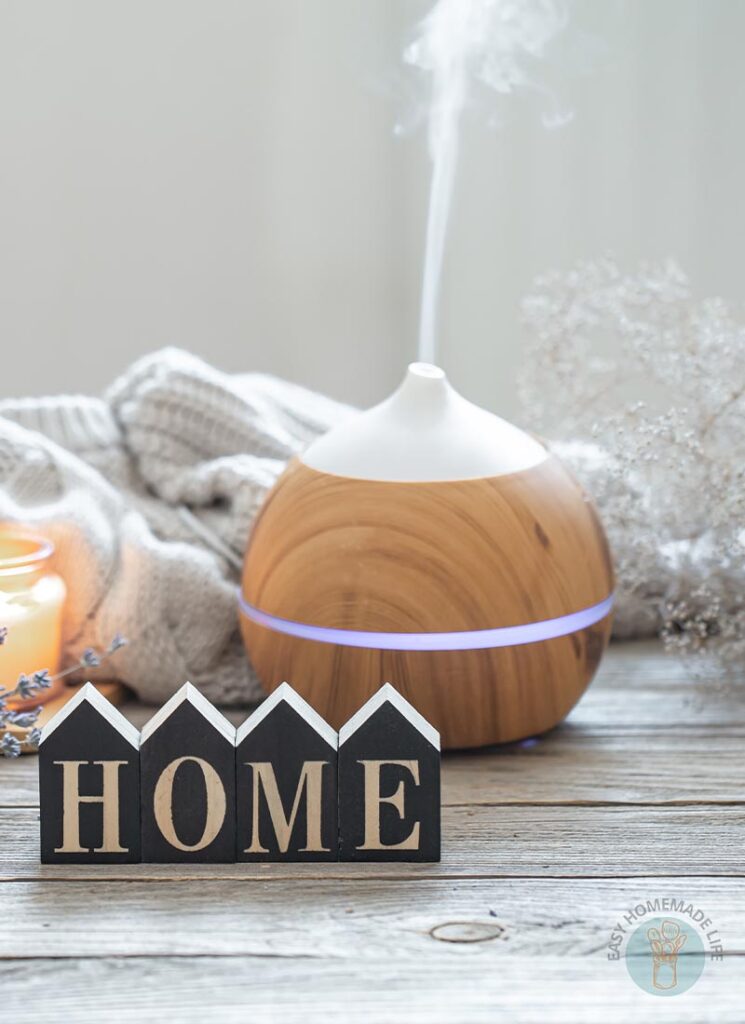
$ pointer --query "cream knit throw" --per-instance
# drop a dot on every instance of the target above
(148, 494)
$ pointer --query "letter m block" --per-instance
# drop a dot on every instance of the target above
(286, 782)
(89, 784)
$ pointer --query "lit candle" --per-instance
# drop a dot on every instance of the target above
(31, 602)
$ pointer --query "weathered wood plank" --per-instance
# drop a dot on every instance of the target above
(644, 783)
(642, 718)
(523, 989)
(637, 686)
(443, 919)
(573, 766)
(479, 841)
(570, 766)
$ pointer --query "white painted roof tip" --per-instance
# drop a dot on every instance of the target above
(104, 707)
(389, 694)
(284, 692)
(189, 692)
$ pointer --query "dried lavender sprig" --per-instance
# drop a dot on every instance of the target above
(10, 746)
(27, 686)
(42, 680)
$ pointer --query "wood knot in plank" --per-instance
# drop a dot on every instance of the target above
(466, 931)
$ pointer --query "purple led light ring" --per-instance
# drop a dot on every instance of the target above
(466, 640)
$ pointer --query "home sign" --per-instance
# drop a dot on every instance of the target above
(284, 786)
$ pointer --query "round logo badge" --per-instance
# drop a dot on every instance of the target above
(665, 956)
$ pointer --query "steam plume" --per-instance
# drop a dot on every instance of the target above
(460, 43)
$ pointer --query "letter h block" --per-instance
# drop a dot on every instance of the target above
(187, 767)
(89, 784)
(389, 783)
(286, 782)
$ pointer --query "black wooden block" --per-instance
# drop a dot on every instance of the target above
(187, 769)
(389, 782)
(286, 782)
(89, 784)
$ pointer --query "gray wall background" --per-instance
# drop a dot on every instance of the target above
(223, 175)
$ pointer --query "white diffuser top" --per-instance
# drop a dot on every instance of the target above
(425, 431)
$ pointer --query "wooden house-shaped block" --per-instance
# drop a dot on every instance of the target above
(286, 757)
(187, 768)
(89, 784)
(389, 783)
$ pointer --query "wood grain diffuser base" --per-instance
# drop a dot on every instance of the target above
(432, 545)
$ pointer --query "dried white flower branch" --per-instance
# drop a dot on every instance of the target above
(643, 389)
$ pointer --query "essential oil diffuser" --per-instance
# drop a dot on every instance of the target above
(430, 544)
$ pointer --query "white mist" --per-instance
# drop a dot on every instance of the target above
(462, 42)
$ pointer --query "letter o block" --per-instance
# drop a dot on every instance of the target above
(187, 759)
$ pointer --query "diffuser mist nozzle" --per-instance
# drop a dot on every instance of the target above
(425, 431)
(426, 370)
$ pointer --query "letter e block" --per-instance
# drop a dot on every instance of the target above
(286, 782)
(187, 767)
(389, 782)
(89, 784)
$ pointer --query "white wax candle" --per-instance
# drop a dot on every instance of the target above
(31, 603)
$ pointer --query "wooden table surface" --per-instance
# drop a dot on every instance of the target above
(639, 795)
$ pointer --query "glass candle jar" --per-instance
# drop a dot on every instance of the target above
(31, 603)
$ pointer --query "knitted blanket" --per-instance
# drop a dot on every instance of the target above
(148, 494)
